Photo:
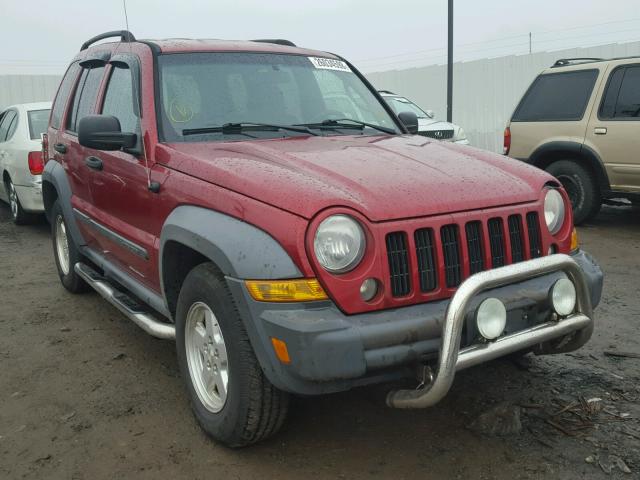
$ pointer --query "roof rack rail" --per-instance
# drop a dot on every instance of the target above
(125, 36)
(277, 41)
(389, 92)
(567, 61)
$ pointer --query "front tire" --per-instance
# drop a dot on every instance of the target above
(230, 396)
(581, 187)
(65, 252)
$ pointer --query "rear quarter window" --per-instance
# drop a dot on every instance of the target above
(559, 96)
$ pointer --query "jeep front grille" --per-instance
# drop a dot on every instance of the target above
(445, 262)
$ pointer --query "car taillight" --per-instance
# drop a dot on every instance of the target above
(36, 165)
(507, 141)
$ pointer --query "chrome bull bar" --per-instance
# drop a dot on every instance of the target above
(452, 359)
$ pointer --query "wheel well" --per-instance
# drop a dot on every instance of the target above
(49, 196)
(587, 161)
(177, 261)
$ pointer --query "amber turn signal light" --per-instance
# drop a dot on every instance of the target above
(574, 240)
(298, 290)
(281, 350)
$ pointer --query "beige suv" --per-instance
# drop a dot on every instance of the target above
(580, 121)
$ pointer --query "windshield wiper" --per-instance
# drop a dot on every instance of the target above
(337, 123)
(240, 127)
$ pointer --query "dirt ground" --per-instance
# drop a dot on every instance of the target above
(84, 393)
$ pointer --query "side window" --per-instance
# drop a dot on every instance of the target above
(85, 96)
(118, 100)
(72, 115)
(12, 126)
(7, 120)
(608, 107)
(63, 94)
(628, 104)
(557, 97)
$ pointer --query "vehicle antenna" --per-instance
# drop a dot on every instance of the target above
(152, 186)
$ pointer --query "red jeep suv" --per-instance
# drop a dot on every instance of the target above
(261, 204)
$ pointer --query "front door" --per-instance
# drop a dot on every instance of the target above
(121, 197)
(614, 128)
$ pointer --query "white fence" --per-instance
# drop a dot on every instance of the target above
(485, 92)
(27, 88)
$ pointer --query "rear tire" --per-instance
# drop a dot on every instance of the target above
(65, 252)
(230, 396)
(581, 186)
(18, 215)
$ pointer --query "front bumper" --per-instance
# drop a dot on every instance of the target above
(331, 351)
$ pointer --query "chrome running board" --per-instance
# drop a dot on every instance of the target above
(127, 305)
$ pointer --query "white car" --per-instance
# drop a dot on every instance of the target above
(428, 126)
(21, 162)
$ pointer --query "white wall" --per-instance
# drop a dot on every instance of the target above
(485, 92)
(27, 88)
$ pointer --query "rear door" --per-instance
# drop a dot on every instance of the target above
(72, 155)
(6, 121)
(121, 197)
(614, 129)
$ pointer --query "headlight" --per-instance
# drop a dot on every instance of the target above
(339, 243)
(461, 135)
(554, 211)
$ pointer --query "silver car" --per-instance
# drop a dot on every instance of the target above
(428, 126)
(21, 162)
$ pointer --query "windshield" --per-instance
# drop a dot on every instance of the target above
(401, 104)
(38, 121)
(205, 90)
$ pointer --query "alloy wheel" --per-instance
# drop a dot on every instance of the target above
(207, 358)
(62, 245)
(13, 199)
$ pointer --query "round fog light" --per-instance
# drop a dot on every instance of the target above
(491, 318)
(368, 289)
(563, 297)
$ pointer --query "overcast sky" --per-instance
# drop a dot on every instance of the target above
(39, 36)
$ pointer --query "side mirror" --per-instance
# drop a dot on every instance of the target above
(430, 113)
(102, 132)
(410, 120)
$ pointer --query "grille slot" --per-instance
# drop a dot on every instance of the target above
(451, 251)
(474, 246)
(535, 242)
(425, 250)
(496, 240)
(398, 264)
(515, 236)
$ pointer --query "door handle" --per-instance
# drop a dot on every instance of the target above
(93, 162)
(60, 148)
(600, 130)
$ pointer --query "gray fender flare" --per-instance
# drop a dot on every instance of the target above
(55, 175)
(239, 249)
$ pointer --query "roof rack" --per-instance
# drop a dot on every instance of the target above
(568, 61)
(389, 92)
(125, 36)
(277, 41)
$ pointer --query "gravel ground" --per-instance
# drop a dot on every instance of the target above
(85, 394)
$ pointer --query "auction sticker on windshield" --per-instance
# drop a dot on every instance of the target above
(329, 64)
